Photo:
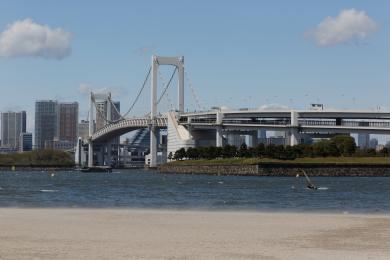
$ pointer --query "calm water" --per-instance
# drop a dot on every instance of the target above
(143, 189)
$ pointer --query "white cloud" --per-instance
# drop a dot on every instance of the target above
(349, 25)
(27, 38)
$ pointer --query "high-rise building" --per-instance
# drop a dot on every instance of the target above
(363, 141)
(46, 122)
(12, 125)
(25, 142)
(68, 121)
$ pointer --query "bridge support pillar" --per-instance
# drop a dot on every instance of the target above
(180, 93)
(294, 137)
(109, 151)
(153, 113)
(219, 136)
(90, 154)
(90, 131)
(294, 131)
(253, 139)
(153, 147)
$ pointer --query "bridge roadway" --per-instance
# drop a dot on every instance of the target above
(126, 125)
(328, 121)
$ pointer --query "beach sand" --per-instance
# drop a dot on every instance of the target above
(161, 234)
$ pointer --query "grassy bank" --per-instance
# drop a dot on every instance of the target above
(38, 158)
(319, 160)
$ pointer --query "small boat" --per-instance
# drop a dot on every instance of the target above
(310, 184)
(96, 169)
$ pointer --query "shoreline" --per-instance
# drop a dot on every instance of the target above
(285, 169)
(206, 210)
(36, 168)
(81, 233)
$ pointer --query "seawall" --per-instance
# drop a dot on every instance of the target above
(282, 169)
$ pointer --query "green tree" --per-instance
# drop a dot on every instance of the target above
(384, 151)
(243, 151)
(180, 154)
(345, 144)
(192, 153)
(260, 150)
(170, 156)
(229, 151)
(321, 147)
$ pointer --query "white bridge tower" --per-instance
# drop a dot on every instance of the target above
(178, 62)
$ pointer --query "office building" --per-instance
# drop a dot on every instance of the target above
(12, 125)
(46, 122)
(25, 142)
(68, 118)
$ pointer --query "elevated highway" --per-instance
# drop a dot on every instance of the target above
(307, 121)
(329, 121)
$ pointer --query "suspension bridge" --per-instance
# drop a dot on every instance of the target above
(211, 127)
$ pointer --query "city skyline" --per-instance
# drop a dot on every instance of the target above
(277, 55)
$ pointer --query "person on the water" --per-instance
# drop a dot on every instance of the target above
(311, 186)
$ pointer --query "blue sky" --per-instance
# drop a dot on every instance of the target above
(237, 53)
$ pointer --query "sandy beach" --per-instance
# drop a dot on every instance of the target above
(160, 234)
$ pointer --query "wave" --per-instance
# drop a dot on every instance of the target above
(322, 188)
(48, 190)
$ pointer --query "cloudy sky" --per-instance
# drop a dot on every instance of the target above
(237, 53)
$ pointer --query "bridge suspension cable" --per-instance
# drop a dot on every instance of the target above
(193, 92)
(170, 103)
(139, 94)
(121, 117)
(167, 86)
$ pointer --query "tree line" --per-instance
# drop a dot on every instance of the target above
(341, 145)
(39, 158)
